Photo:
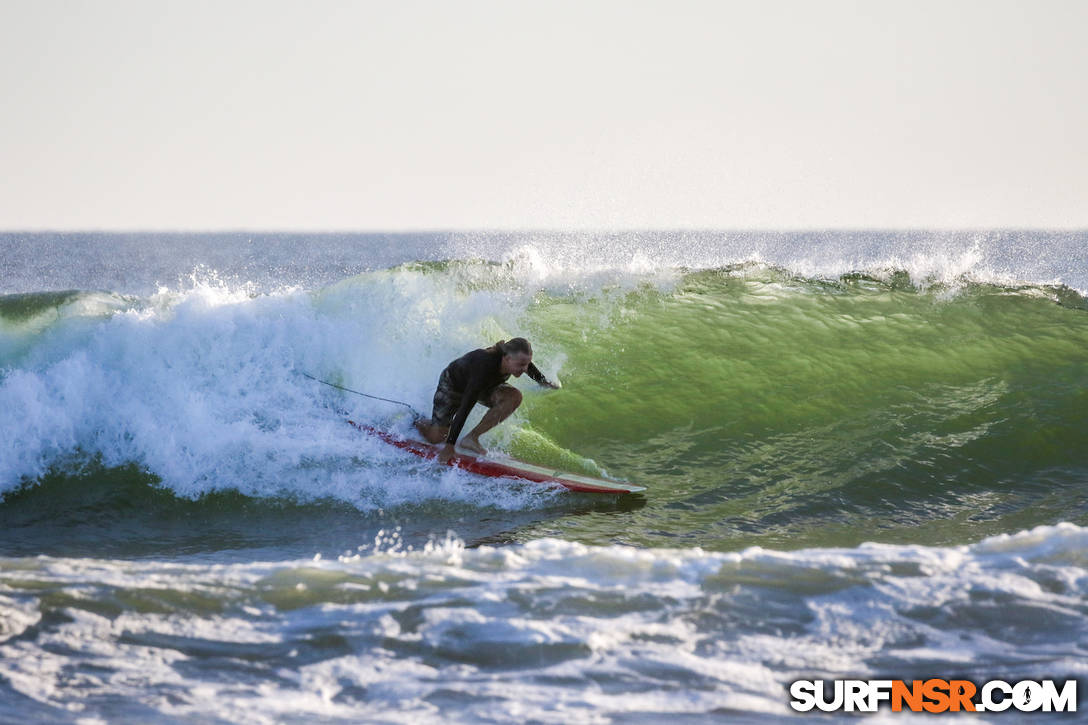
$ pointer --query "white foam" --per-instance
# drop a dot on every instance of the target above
(505, 632)
(200, 387)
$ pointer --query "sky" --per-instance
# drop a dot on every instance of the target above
(596, 114)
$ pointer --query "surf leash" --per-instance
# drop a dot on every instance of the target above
(415, 414)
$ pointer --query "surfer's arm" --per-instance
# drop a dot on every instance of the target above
(468, 399)
(534, 373)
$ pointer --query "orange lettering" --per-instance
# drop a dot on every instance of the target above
(937, 692)
(961, 692)
(912, 695)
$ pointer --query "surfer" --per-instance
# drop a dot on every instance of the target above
(479, 377)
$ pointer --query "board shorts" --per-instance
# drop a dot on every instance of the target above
(447, 401)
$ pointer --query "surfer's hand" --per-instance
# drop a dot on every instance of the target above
(446, 453)
(553, 386)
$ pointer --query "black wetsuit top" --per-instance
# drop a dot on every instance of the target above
(474, 374)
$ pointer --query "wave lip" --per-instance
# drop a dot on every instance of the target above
(989, 257)
(141, 263)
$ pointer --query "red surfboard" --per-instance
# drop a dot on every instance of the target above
(504, 466)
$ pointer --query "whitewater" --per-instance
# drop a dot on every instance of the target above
(865, 454)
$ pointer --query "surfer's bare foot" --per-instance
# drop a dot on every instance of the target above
(431, 433)
(471, 444)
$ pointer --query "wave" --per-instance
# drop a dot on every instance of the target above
(761, 397)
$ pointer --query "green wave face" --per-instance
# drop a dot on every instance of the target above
(762, 408)
(757, 407)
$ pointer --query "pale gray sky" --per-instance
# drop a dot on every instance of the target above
(156, 114)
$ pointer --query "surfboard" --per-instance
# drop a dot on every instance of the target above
(500, 466)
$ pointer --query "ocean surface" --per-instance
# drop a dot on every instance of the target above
(865, 454)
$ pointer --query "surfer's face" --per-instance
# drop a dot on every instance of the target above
(516, 364)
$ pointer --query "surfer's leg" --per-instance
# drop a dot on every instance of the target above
(503, 401)
(446, 403)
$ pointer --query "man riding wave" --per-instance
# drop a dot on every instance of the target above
(479, 377)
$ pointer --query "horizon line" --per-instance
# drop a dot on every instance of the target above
(535, 230)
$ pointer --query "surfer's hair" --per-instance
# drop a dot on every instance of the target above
(514, 346)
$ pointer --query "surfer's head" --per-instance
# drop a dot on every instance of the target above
(517, 353)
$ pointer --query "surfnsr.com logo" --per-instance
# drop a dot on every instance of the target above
(934, 695)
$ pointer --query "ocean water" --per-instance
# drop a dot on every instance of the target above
(865, 453)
